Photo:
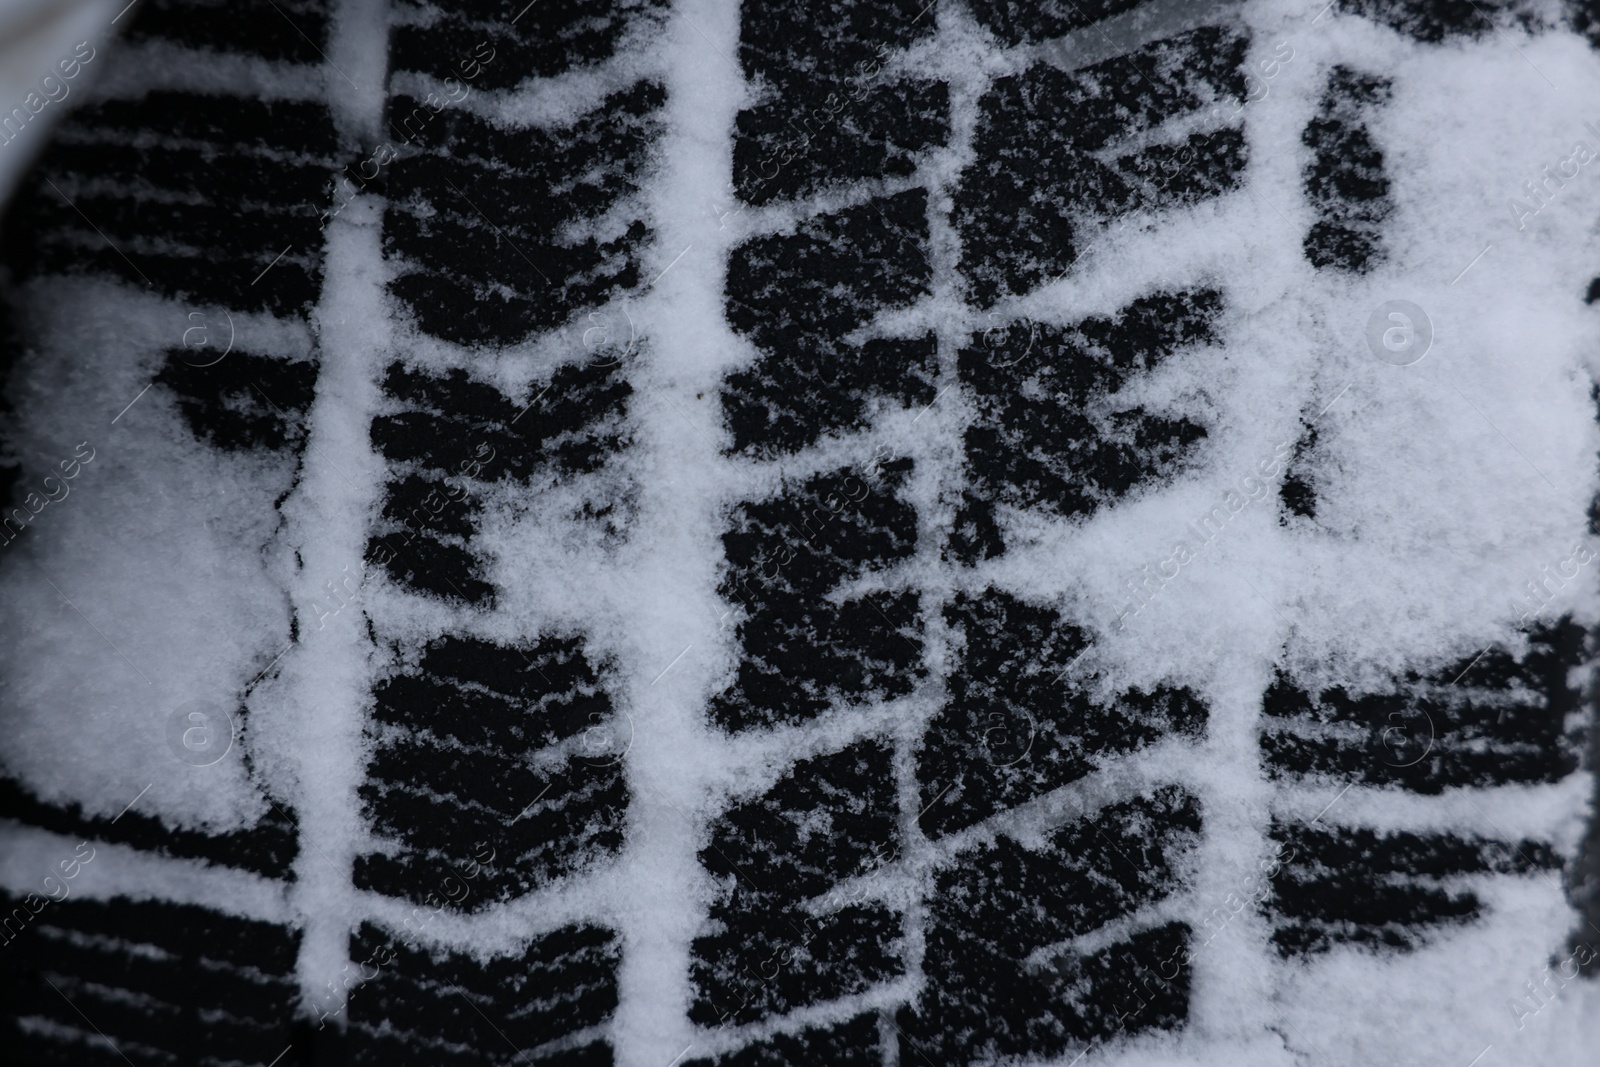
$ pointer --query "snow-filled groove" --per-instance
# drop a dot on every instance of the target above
(676, 634)
(756, 533)
(324, 680)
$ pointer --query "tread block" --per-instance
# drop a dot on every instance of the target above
(801, 651)
(243, 402)
(829, 115)
(1049, 432)
(488, 696)
(454, 436)
(1345, 179)
(1047, 163)
(1298, 492)
(165, 983)
(1383, 891)
(448, 780)
(293, 30)
(799, 659)
(448, 422)
(846, 134)
(783, 405)
(1584, 16)
(268, 848)
(840, 523)
(423, 500)
(1487, 720)
(200, 197)
(570, 33)
(788, 46)
(502, 232)
(422, 1006)
(999, 984)
(1013, 728)
(796, 296)
(431, 566)
(477, 836)
(831, 818)
(1201, 166)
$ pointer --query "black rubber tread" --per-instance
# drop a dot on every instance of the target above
(477, 781)
(1003, 902)
(241, 402)
(1433, 21)
(164, 983)
(1298, 493)
(1049, 432)
(1041, 173)
(1013, 727)
(424, 1007)
(853, 1043)
(831, 114)
(293, 30)
(831, 818)
(1489, 720)
(454, 436)
(1384, 891)
(1345, 180)
(477, 212)
(524, 39)
(268, 847)
(172, 164)
(476, 822)
(796, 297)
(801, 653)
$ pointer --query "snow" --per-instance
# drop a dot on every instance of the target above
(123, 573)
(1444, 487)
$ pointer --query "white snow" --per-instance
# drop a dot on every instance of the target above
(1444, 487)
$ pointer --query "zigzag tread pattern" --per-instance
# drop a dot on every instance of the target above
(893, 896)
